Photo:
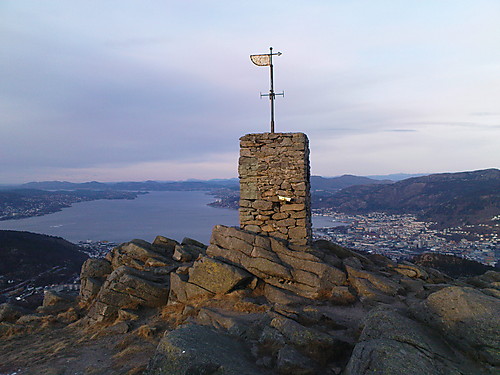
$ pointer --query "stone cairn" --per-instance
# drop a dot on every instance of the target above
(275, 186)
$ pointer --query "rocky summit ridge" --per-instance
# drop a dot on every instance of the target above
(251, 304)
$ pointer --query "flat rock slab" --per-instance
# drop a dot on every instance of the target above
(216, 276)
(394, 344)
(195, 349)
(135, 254)
(390, 357)
(181, 290)
(370, 285)
(470, 318)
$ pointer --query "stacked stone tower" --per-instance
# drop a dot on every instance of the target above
(275, 186)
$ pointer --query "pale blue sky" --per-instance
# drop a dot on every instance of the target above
(162, 90)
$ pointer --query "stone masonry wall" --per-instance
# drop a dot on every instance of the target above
(275, 186)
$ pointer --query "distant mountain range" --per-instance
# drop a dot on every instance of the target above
(318, 183)
(134, 186)
(331, 184)
(397, 176)
(448, 198)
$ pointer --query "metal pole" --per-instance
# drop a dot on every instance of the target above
(261, 60)
(271, 92)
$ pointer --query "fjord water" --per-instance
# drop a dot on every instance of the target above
(174, 214)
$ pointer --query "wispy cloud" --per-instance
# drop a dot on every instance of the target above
(401, 130)
(458, 124)
(481, 114)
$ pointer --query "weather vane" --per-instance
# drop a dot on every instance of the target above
(267, 60)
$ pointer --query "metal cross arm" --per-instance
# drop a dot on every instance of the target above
(273, 94)
(267, 60)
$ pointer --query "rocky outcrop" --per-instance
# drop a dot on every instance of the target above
(257, 304)
(128, 288)
(133, 274)
(305, 273)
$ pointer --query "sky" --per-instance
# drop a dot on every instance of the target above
(162, 90)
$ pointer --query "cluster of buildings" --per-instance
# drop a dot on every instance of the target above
(96, 249)
(33, 206)
(403, 236)
(21, 204)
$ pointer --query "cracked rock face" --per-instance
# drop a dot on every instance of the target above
(93, 274)
(301, 272)
(126, 288)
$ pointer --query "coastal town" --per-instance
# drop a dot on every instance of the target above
(403, 236)
(19, 204)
